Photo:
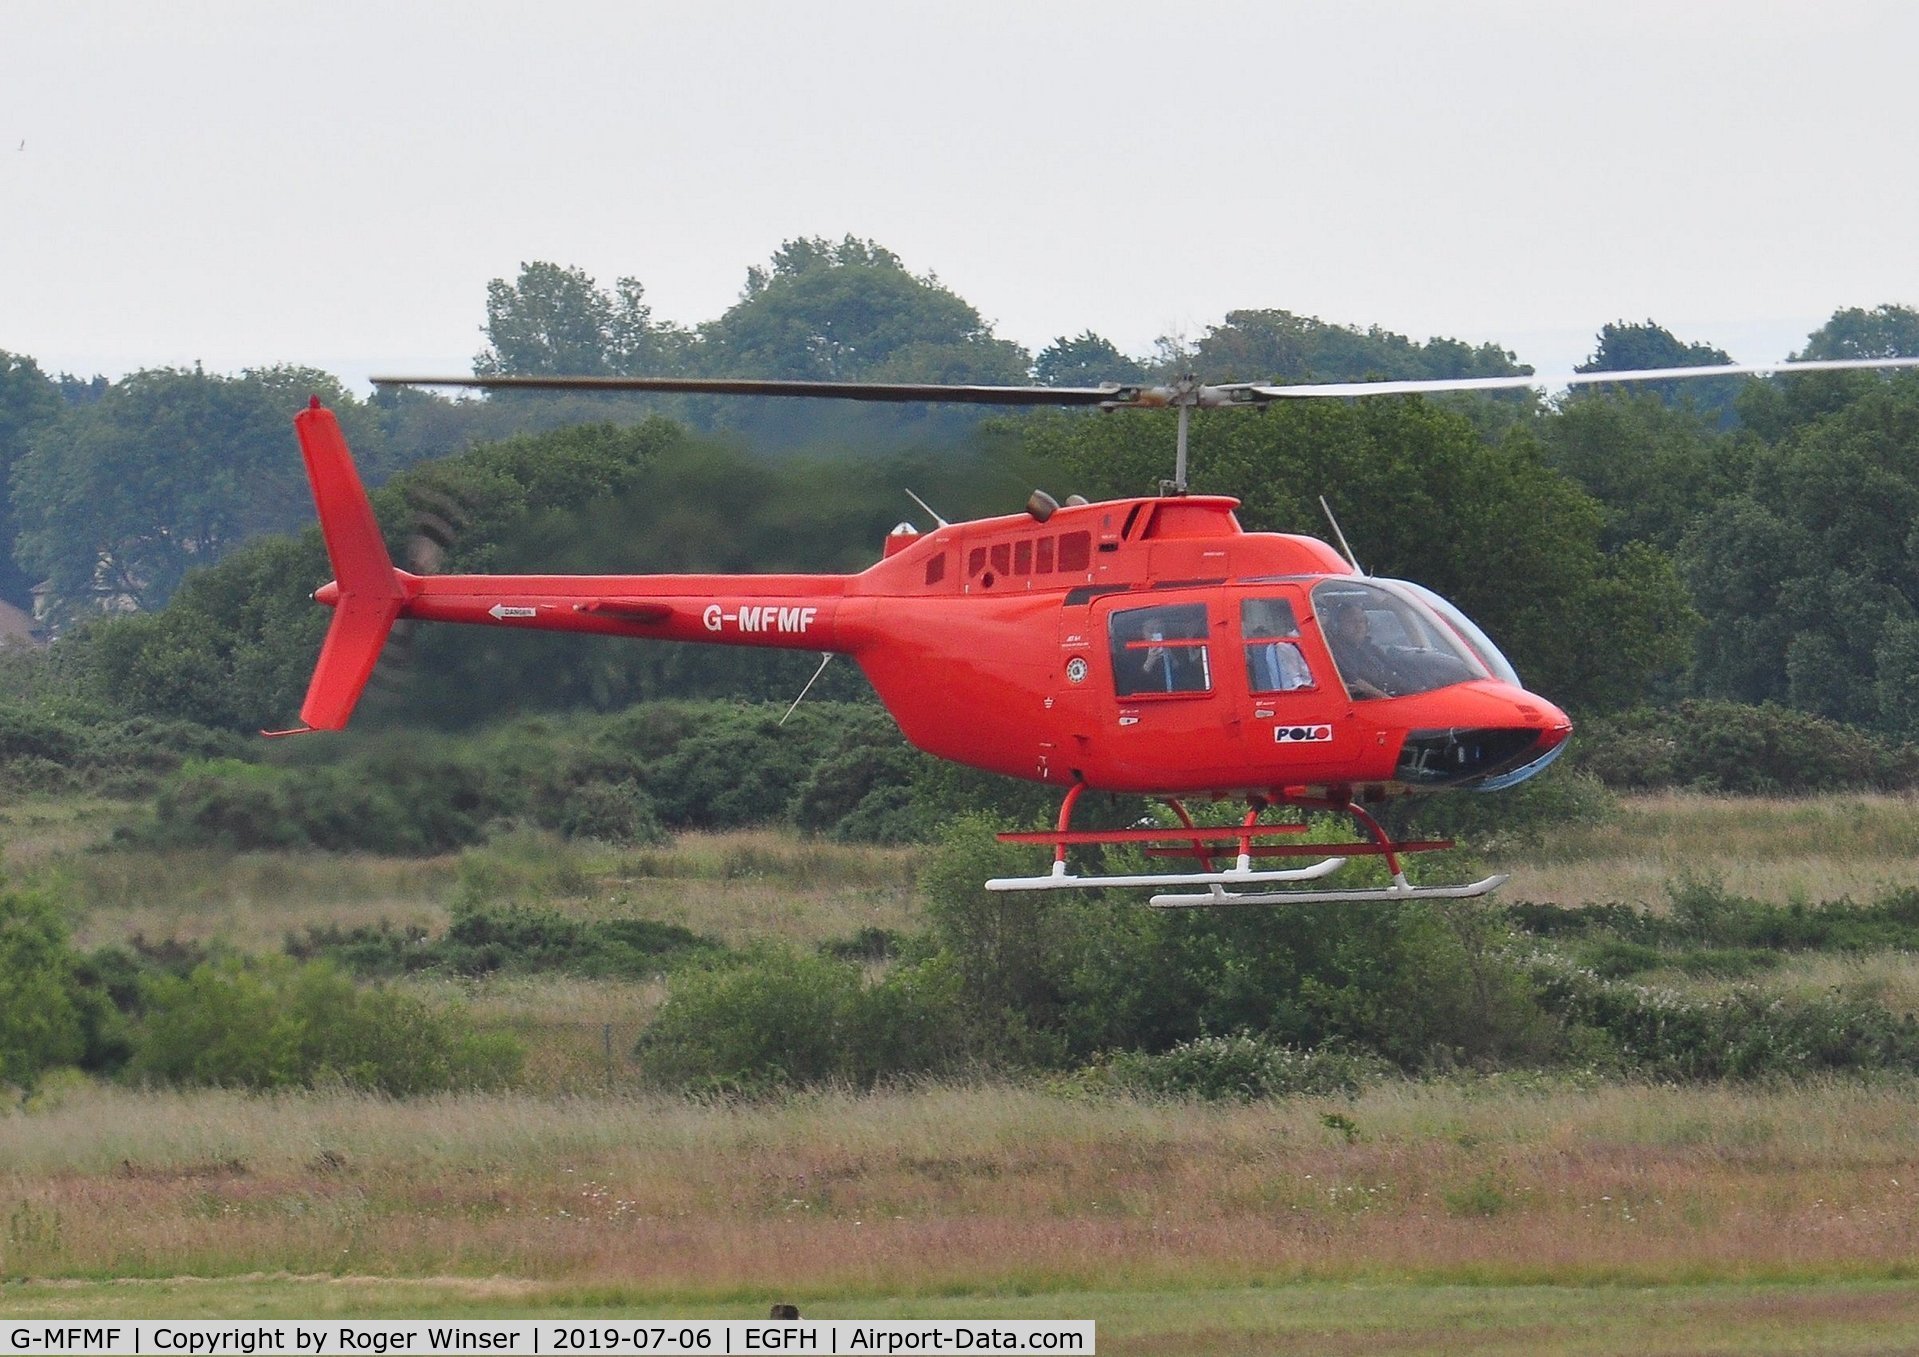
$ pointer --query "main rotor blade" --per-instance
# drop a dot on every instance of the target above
(852, 391)
(1558, 379)
(1186, 392)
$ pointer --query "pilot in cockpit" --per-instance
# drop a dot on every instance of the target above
(1364, 666)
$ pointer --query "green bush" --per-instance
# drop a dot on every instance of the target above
(861, 790)
(1733, 747)
(389, 800)
(42, 1023)
(785, 1019)
(836, 769)
(1517, 818)
(737, 766)
(275, 1023)
(1662, 1034)
(519, 939)
(1704, 916)
(1423, 985)
(611, 812)
(26, 733)
(1239, 1067)
(1050, 982)
(42, 751)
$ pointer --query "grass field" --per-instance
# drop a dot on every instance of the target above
(1777, 849)
(1543, 1218)
(1511, 1214)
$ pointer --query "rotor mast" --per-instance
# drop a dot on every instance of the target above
(1183, 395)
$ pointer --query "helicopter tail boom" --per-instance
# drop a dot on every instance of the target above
(367, 594)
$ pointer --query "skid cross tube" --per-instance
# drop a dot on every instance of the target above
(1198, 849)
(1191, 840)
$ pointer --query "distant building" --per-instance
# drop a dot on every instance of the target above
(17, 628)
(46, 603)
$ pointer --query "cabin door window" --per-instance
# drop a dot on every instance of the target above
(1160, 651)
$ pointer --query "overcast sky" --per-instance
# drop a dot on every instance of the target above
(239, 185)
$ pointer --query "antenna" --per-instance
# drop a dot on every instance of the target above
(825, 660)
(1344, 549)
(929, 508)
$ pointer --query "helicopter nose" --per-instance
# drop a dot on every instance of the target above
(1552, 724)
(1509, 736)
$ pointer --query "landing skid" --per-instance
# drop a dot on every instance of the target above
(1060, 880)
(1205, 843)
(1399, 890)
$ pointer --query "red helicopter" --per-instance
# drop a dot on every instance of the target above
(1145, 645)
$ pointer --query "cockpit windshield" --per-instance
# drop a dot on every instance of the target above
(1387, 641)
(1480, 643)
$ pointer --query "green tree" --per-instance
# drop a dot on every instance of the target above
(40, 1023)
(1085, 360)
(28, 400)
(1778, 408)
(1625, 347)
(169, 470)
(1883, 332)
(1271, 345)
(826, 311)
(555, 321)
(236, 646)
(1653, 467)
(1806, 578)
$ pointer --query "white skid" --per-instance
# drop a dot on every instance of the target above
(1401, 889)
(1060, 881)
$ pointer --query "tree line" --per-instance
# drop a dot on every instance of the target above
(1731, 539)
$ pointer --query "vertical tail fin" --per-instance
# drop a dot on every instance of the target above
(367, 592)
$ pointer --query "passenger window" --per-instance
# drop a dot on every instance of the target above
(1160, 650)
(1045, 563)
(1075, 551)
(1276, 667)
(1274, 662)
(1022, 558)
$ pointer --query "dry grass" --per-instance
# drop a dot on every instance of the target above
(1772, 848)
(578, 1033)
(741, 887)
(748, 886)
(36, 829)
(963, 1188)
(752, 885)
(251, 901)
(1887, 978)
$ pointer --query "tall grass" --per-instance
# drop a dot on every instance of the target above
(740, 886)
(1772, 848)
(916, 1191)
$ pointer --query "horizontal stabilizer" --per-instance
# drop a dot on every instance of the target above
(352, 649)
